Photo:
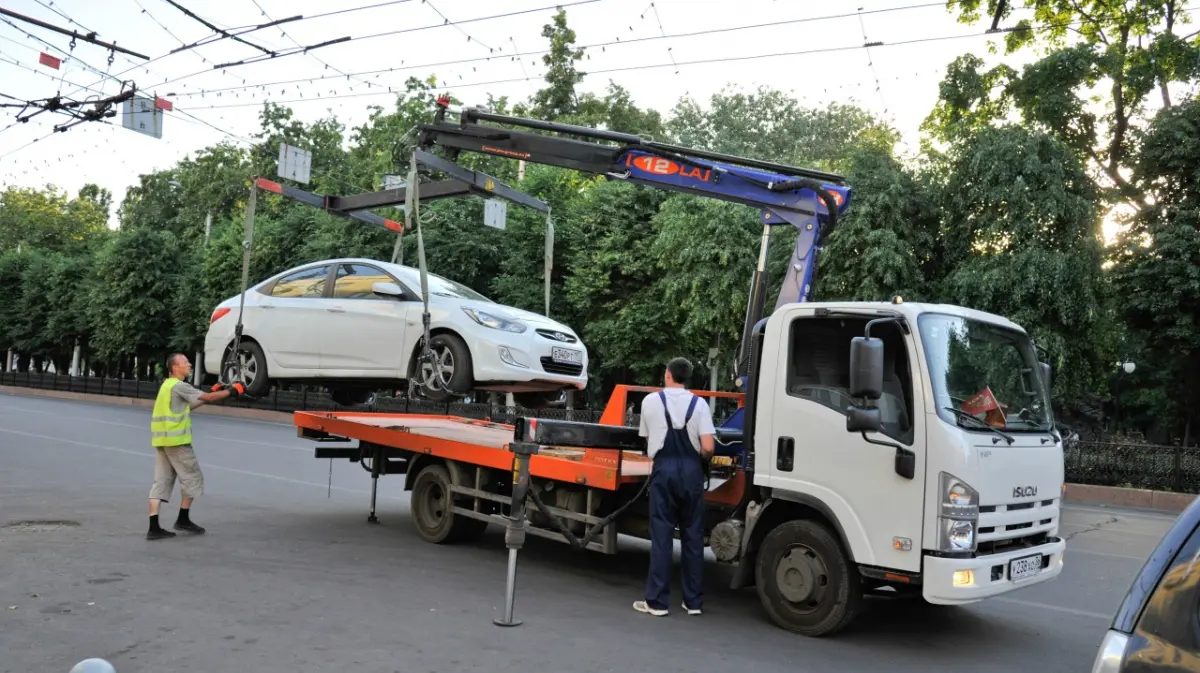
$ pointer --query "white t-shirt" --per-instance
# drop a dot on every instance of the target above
(654, 422)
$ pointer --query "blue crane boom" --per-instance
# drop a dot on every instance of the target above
(806, 199)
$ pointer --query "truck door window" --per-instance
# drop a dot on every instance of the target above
(819, 369)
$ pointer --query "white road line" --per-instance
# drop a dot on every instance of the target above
(1139, 559)
(203, 466)
(1109, 510)
(1055, 608)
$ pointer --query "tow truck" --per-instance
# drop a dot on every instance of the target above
(877, 448)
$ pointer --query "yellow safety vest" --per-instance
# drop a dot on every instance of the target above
(166, 428)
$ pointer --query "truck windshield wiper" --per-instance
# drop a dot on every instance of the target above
(980, 424)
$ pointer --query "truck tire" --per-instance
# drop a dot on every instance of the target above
(431, 513)
(806, 583)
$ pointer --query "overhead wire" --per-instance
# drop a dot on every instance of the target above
(68, 54)
(680, 64)
(448, 22)
(600, 45)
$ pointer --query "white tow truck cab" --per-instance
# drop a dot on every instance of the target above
(898, 447)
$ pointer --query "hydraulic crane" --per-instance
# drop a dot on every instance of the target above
(806, 199)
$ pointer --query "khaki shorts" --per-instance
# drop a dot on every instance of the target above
(175, 461)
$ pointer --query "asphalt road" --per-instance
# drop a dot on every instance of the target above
(290, 577)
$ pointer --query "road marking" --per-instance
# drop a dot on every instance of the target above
(1055, 608)
(204, 466)
(1108, 554)
(1122, 512)
(1101, 528)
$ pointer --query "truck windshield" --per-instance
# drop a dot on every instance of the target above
(986, 371)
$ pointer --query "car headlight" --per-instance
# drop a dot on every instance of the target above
(959, 515)
(495, 322)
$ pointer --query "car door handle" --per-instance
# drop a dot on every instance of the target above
(785, 454)
(336, 309)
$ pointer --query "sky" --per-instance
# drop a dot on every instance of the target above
(818, 56)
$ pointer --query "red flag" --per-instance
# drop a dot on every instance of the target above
(47, 59)
(986, 403)
(163, 104)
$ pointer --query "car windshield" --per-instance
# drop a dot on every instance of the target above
(443, 287)
(984, 371)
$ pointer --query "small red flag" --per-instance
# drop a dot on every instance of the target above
(163, 104)
(47, 59)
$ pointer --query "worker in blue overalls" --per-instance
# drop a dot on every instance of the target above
(679, 450)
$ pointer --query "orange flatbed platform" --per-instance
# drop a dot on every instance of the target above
(476, 442)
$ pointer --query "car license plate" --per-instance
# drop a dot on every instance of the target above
(1019, 569)
(566, 355)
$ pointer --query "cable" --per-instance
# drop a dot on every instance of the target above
(491, 50)
(68, 54)
(707, 61)
(312, 56)
(27, 144)
(601, 45)
(595, 530)
(871, 60)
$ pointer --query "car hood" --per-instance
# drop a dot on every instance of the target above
(499, 310)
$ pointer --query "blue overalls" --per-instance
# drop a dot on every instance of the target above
(676, 499)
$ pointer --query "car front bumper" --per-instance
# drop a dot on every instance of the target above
(955, 581)
(527, 358)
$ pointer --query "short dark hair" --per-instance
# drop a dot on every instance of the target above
(171, 360)
(681, 370)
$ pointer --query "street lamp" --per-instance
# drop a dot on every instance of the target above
(1128, 366)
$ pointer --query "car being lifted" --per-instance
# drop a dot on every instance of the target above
(354, 325)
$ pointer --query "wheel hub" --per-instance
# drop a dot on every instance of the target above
(445, 365)
(435, 506)
(802, 577)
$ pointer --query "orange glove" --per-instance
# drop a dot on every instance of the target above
(237, 390)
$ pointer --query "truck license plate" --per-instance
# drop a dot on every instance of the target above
(1019, 569)
(566, 355)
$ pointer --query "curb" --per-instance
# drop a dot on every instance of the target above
(1087, 494)
(283, 418)
(1079, 494)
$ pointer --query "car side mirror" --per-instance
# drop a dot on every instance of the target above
(1047, 374)
(387, 290)
(863, 419)
(866, 368)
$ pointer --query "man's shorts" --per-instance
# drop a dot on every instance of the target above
(175, 461)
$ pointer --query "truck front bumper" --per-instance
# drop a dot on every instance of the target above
(957, 581)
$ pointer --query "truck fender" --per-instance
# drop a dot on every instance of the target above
(458, 473)
(761, 520)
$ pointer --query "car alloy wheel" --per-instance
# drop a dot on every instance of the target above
(249, 365)
(445, 361)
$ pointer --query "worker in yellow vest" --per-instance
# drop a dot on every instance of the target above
(171, 435)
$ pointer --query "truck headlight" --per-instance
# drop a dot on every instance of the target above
(495, 322)
(959, 515)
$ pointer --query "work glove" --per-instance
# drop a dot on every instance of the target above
(236, 390)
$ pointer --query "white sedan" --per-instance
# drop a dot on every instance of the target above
(354, 325)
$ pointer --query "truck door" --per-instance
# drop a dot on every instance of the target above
(814, 458)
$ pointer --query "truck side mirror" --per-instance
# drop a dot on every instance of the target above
(860, 419)
(866, 368)
(1046, 374)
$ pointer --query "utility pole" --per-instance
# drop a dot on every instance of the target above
(200, 354)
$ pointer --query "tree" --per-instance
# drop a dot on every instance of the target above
(1130, 47)
(557, 99)
(1157, 267)
(1020, 237)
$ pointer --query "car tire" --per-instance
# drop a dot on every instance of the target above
(453, 351)
(254, 363)
(805, 582)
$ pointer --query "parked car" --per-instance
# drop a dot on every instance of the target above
(354, 325)
(1157, 627)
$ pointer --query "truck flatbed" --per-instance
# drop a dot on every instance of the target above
(476, 442)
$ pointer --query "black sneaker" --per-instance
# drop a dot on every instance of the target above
(158, 534)
(189, 527)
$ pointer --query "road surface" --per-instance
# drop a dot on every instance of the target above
(290, 577)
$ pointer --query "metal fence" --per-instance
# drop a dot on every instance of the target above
(301, 398)
(1152, 466)
(1165, 468)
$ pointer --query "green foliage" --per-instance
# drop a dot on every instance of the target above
(130, 305)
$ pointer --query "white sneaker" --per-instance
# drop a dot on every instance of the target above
(642, 606)
(689, 610)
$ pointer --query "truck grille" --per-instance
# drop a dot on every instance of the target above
(551, 367)
(1006, 527)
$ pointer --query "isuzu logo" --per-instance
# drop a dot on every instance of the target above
(1024, 491)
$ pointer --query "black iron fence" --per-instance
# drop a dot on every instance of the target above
(1157, 467)
(299, 398)
(1152, 466)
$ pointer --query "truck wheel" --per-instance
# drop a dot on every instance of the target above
(805, 582)
(431, 513)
